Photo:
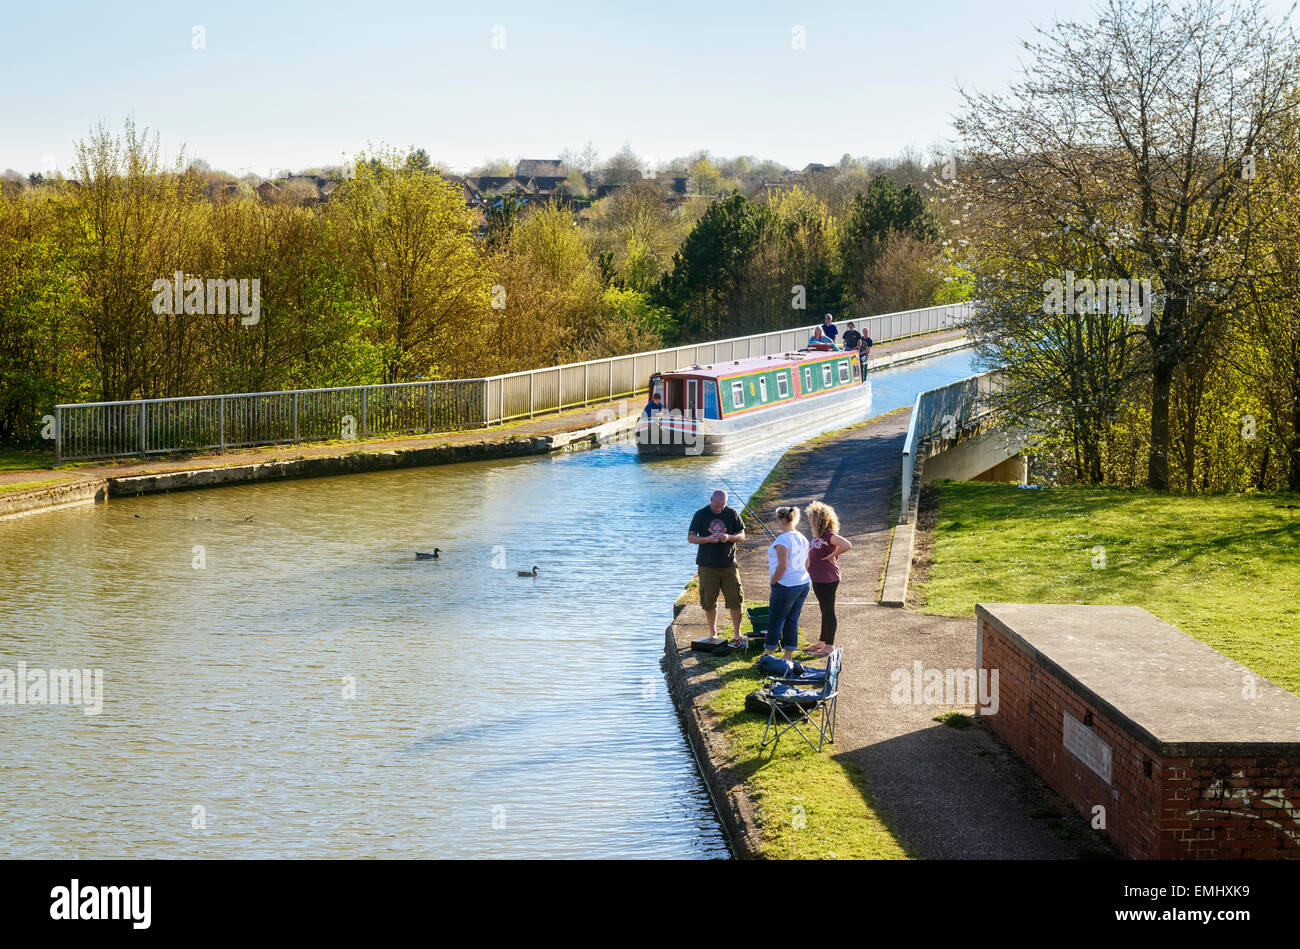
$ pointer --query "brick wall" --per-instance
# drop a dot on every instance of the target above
(1157, 806)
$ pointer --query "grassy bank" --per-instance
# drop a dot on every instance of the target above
(809, 805)
(29, 485)
(1222, 568)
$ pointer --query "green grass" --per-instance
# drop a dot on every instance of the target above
(29, 485)
(24, 459)
(809, 805)
(1224, 568)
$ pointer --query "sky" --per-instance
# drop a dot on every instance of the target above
(268, 86)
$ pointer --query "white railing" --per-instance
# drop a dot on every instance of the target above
(555, 388)
(946, 411)
(202, 423)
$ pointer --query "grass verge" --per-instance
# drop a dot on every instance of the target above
(29, 485)
(809, 805)
(1223, 568)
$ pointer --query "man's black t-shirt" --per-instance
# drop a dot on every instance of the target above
(705, 522)
(851, 339)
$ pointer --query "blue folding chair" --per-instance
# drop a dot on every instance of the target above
(795, 704)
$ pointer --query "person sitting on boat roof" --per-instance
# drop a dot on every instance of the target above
(829, 329)
(654, 406)
(818, 340)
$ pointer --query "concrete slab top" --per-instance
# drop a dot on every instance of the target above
(1172, 692)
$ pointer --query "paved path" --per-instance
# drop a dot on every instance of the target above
(944, 792)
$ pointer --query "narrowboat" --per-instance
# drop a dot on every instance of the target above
(708, 410)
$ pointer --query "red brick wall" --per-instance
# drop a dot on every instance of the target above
(1155, 808)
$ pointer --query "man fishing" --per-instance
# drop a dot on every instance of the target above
(715, 530)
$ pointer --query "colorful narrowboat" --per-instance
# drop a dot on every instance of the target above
(708, 410)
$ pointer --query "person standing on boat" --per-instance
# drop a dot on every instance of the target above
(824, 569)
(829, 329)
(654, 406)
(787, 563)
(851, 339)
(716, 529)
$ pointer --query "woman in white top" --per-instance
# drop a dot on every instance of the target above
(787, 561)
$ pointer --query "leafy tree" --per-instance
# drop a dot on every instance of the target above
(877, 217)
(1132, 134)
(410, 241)
(706, 288)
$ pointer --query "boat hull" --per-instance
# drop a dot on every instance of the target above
(674, 434)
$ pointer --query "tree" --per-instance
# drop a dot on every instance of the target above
(1132, 134)
(410, 240)
(884, 213)
(623, 169)
(132, 222)
(706, 288)
(551, 304)
(639, 231)
(40, 361)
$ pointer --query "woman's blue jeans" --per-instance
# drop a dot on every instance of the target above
(784, 606)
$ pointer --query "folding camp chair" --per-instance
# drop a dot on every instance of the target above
(796, 705)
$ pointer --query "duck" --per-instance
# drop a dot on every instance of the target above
(527, 573)
(432, 556)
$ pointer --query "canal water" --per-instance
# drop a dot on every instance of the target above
(282, 678)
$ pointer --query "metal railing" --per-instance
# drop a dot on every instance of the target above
(203, 423)
(947, 410)
(555, 388)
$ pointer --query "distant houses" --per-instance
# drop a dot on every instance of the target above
(535, 179)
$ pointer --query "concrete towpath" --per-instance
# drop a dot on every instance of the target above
(944, 792)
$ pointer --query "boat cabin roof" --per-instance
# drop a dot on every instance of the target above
(733, 367)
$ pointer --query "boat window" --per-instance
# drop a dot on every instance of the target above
(711, 400)
(782, 385)
(738, 394)
(826, 374)
(692, 402)
(807, 378)
(762, 388)
(844, 371)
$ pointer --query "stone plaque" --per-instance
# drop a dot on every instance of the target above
(1083, 743)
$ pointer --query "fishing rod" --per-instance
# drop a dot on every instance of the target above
(744, 506)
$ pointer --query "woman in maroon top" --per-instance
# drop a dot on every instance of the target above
(824, 569)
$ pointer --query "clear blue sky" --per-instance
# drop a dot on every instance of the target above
(289, 85)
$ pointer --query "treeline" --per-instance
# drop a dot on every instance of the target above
(1159, 148)
(395, 278)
